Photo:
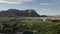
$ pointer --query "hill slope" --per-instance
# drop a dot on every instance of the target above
(19, 13)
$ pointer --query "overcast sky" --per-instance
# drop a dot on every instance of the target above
(43, 7)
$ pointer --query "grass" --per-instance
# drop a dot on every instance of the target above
(43, 27)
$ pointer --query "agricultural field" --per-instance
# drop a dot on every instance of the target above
(38, 27)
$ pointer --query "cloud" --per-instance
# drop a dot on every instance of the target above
(46, 3)
(52, 2)
(15, 1)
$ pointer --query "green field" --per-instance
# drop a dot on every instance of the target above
(37, 26)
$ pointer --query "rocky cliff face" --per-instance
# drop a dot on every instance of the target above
(19, 13)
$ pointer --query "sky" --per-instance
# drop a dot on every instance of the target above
(42, 7)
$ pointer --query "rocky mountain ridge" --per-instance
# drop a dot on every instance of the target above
(19, 13)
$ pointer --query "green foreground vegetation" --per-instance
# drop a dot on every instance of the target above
(39, 27)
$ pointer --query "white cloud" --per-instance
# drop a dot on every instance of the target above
(46, 3)
(52, 2)
(15, 1)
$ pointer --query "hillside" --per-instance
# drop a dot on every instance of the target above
(19, 13)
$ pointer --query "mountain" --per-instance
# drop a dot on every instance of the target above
(56, 16)
(19, 13)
